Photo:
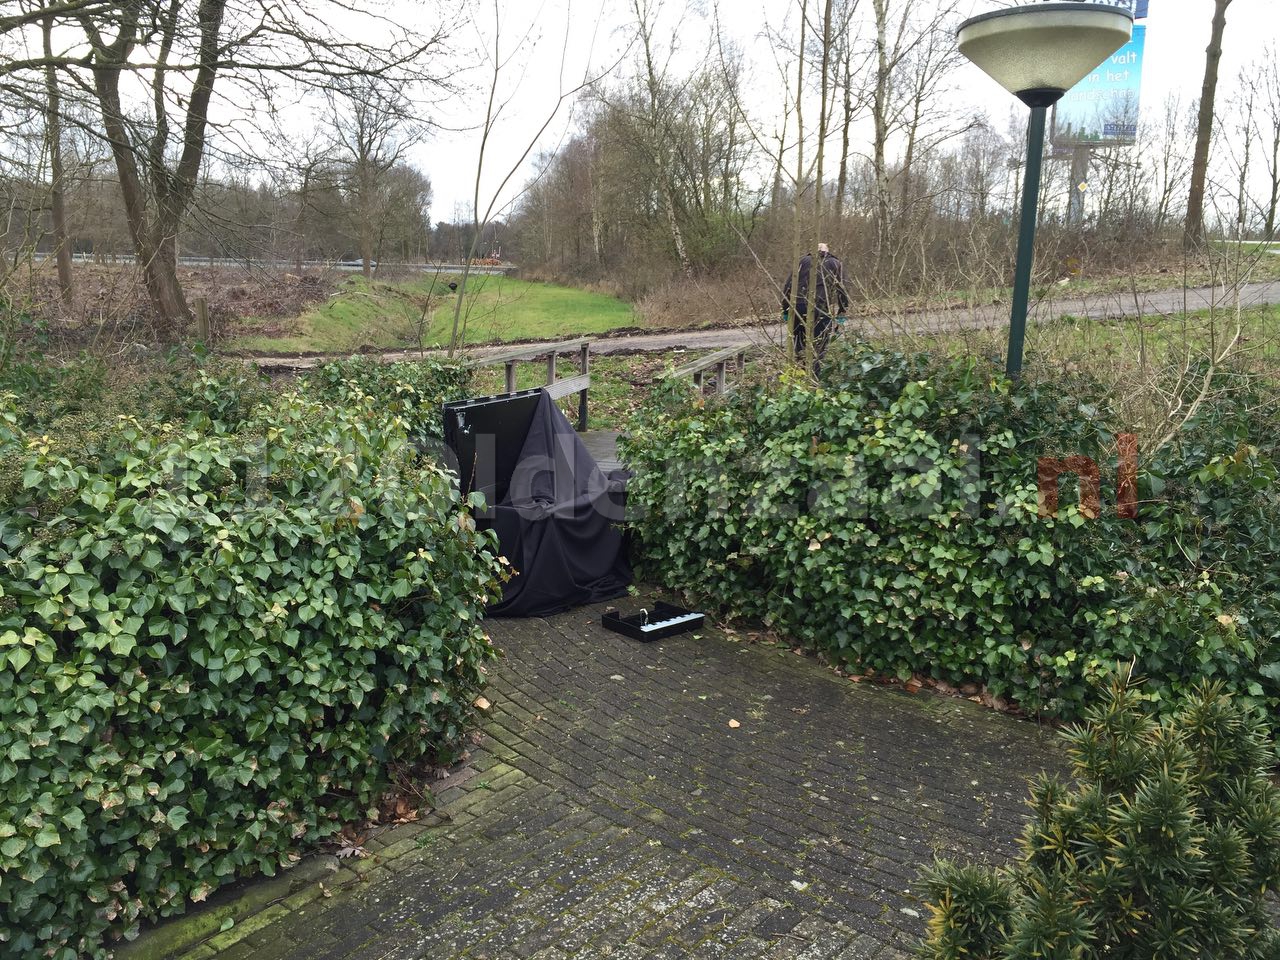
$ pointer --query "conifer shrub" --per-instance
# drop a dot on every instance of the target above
(1161, 846)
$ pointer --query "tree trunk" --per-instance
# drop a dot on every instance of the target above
(596, 198)
(161, 279)
(298, 232)
(797, 211)
(57, 185)
(677, 236)
(818, 263)
(1274, 200)
(842, 181)
(161, 274)
(729, 179)
(775, 193)
(154, 232)
(880, 119)
(366, 194)
(1194, 233)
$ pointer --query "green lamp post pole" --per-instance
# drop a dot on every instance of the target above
(1040, 101)
(1038, 51)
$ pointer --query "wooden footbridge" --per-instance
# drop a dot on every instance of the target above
(709, 374)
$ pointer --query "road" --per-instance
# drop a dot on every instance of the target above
(749, 333)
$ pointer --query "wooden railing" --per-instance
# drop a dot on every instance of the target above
(718, 361)
(579, 384)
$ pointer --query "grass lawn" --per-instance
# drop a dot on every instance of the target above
(1114, 350)
(378, 315)
(1229, 264)
(1152, 367)
(1119, 344)
(381, 315)
(1251, 246)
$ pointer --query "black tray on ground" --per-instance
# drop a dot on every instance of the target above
(660, 620)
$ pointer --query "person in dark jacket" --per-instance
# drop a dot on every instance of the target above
(831, 300)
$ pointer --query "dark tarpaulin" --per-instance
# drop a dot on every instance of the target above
(557, 523)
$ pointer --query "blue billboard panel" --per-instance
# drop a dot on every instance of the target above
(1103, 107)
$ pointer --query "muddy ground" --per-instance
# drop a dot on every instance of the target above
(110, 302)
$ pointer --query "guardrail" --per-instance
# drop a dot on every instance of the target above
(719, 361)
(579, 384)
(346, 266)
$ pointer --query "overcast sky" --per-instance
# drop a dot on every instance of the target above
(533, 35)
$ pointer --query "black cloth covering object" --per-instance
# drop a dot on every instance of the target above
(557, 523)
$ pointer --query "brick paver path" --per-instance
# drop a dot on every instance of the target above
(614, 812)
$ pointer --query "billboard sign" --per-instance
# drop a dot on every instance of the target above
(1137, 7)
(1102, 108)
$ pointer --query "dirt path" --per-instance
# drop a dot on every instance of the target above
(747, 333)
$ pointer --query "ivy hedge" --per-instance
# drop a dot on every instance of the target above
(215, 635)
(888, 518)
(412, 390)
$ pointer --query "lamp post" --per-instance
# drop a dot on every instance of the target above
(1038, 52)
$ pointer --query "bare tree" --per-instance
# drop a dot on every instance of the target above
(178, 53)
(1267, 75)
(1240, 130)
(305, 175)
(657, 109)
(372, 128)
(888, 54)
(482, 217)
(1170, 160)
(850, 103)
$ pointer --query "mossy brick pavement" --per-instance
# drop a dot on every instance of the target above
(613, 811)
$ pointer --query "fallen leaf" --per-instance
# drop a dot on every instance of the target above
(482, 704)
(349, 851)
(325, 891)
(734, 724)
(617, 676)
